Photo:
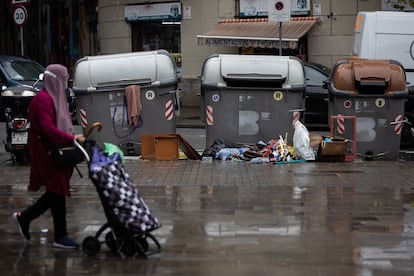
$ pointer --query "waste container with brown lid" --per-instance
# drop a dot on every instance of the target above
(374, 91)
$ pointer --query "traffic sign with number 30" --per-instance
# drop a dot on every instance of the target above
(20, 15)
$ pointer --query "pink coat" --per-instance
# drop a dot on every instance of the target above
(43, 135)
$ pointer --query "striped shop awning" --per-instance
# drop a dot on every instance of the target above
(258, 32)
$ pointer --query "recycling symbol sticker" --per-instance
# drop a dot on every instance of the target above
(150, 95)
(278, 95)
(215, 97)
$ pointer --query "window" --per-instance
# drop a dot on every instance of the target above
(157, 35)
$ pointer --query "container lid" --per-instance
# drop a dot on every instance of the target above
(149, 67)
(254, 67)
(248, 70)
(369, 76)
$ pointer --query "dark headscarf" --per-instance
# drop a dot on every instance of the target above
(54, 81)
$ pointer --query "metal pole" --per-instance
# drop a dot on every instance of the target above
(70, 33)
(280, 38)
(40, 53)
(49, 33)
(21, 42)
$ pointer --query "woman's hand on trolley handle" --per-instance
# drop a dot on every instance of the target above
(80, 138)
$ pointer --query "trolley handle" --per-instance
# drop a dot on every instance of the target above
(93, 126)
(85, 154)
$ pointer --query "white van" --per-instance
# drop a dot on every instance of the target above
(386, 35)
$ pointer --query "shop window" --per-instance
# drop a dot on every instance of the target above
(156, 35)
(150, 35)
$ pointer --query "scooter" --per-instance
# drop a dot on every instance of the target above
(16, 101)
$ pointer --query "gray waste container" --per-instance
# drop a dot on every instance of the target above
(100, 83)
(374, 92)
(248, 98)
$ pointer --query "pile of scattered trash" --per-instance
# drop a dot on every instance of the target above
(275, 151)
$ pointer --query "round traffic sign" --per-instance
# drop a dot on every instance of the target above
(279, 5)
(20, 15)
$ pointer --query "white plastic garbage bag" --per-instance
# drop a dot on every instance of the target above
(301, 142)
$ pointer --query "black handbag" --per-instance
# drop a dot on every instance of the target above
(67, 156)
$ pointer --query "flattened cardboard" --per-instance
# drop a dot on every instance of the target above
(165, 147)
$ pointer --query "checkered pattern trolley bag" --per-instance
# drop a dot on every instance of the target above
(130, 221)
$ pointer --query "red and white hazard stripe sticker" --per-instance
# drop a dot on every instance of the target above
(169, 110)
(340, 124)
(209, 115)
(398, 124)
(83, 118)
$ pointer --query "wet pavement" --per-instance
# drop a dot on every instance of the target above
(232, 218)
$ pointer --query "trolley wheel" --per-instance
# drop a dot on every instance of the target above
(110, 241)
(91, 246)
(129, 248)
(144, 243)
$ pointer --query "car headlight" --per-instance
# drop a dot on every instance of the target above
(28, 93)
(7, 93)
(24, 93)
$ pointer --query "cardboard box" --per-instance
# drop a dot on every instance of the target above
(166, 147)
(333, 151)
(159, 147)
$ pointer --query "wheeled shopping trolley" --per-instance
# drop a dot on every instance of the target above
(129, 220)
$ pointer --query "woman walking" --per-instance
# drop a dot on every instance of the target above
(51, 125)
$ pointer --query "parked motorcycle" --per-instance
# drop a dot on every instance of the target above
(15, 101)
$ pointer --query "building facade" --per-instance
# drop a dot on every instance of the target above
(62, 31)
(328, 40)
(59, 31)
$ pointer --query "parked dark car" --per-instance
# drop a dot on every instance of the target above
(316, 97)
(18, 77)
(20, 74)
(18, 71)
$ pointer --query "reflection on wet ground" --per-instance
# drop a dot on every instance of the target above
(234, 218)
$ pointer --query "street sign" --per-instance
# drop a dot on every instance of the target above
(279, 11)
(20, 15)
